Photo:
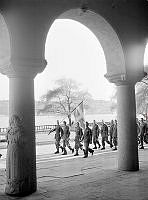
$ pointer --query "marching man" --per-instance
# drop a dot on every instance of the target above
(58, 135)
(78, 136)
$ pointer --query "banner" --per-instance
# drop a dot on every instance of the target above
(79, 115)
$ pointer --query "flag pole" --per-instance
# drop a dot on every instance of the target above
(72, 111)
(76, 106)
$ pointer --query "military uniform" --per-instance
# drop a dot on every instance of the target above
(111, 133)
(104, 135)
(95, 135)
(142, 132)
(65, 137)
(78, 136)
(115, 136)
(58, 134)
(87, 137)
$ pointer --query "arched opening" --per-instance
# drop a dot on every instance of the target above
(104, 33)
(107, 45)
(74, 52)
(73, 55)
(116, 73)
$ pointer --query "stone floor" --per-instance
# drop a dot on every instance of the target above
(76, 178)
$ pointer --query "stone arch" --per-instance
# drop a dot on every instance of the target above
(5, 44)
(107, 37)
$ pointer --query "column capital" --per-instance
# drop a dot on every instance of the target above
(24, 67)
(123, 78)
(118, 79)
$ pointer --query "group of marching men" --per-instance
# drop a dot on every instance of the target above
(87, 136)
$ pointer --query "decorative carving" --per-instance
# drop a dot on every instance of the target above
(17, 163)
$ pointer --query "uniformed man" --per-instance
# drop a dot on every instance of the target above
(115, 136)
(58, 133)
(104, 135)
(142, 132)
(87, 137)
(138, 130)
(78, 136)
(111, 132)
(95, 135)
(65, 137)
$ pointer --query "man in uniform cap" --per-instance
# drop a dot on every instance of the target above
(58, 133)
(115, 135)
(142, 132)
(78, 136)
(104, 135)
(95, 135)
(111, 132)
(87, 137)
(65, 137)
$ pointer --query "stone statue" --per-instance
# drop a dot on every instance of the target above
(17, 171)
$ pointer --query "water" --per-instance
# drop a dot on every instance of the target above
(51, 119)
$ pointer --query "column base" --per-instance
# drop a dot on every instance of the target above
(130, 169)
(20, 189)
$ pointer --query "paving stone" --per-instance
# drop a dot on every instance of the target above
(94, 178)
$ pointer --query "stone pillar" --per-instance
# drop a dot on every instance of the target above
(127, 134)
(21, 151)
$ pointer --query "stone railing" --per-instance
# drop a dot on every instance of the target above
(45, 128)
(42, 128)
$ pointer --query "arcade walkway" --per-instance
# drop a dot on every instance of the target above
(75, 178)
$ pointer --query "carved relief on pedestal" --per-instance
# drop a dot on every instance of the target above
(17, 163)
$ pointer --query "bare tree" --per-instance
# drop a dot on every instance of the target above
(64, 97)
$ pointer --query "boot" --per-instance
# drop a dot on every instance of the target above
(65, 152)
(91, 151)
(85, 156)
(72, 150)
(62, 148)
(95, 147)
(0, 155)
(142, 147)
(76, 154)
(115, 149)
(56, 152)
(102, 148)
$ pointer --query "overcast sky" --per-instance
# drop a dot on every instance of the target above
(72, 51)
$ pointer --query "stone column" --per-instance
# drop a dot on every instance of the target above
(127, 134)
(27, 30)
(21, 151)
